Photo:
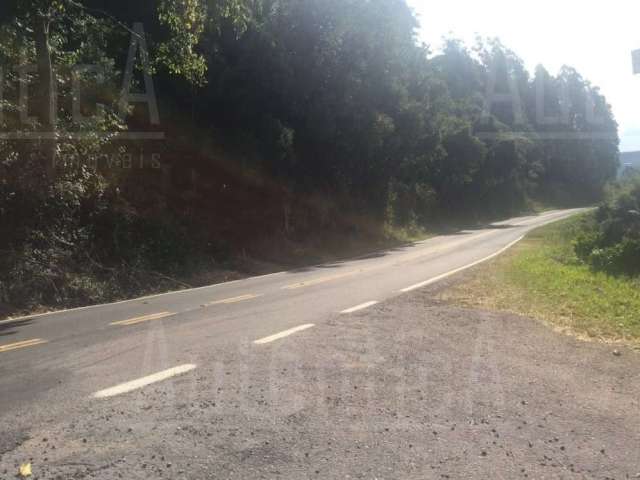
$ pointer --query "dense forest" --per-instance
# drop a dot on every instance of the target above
(144, 139)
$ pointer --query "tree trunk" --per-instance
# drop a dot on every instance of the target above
(46, 96)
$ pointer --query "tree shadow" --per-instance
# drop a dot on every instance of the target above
(11, 328)
(401, 247)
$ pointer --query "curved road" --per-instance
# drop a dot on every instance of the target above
(91, 365)
(48, 351)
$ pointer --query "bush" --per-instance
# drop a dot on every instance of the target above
(585, 244)
(612, 243)
(622, 258)
(77, 242)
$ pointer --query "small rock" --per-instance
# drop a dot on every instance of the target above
(617, 353)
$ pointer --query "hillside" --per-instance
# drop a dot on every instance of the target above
(211, 139)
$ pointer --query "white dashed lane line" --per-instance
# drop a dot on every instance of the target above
(284, 334)
(357, 308)
(144, 381)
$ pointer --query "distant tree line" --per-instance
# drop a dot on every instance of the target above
(334, 96)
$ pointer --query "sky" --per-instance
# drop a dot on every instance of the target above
(596, 38)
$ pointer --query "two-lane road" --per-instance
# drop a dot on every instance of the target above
(347, 370)
(73, 354)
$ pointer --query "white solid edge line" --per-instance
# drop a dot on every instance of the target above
(362, 306)
(144, 381)
(286, 333)
(457, 270)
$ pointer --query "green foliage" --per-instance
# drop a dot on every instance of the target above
(185, 19)
(612, 244)
(364, 107)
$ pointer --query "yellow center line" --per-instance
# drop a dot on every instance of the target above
(146, 318)
(441, 248)
(241, 298)
(26, 343)
(317, 281)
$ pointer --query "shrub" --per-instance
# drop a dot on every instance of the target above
(612, 243)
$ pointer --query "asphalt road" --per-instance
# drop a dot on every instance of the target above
(175, 385)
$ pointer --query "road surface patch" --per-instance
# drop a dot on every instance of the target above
(241, 298)
(144, 381)
(286, 333)
(145, 318)
(24, 344)
(357, 308)
(318, 281)
(457, 270)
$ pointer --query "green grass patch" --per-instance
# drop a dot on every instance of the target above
(542, 277)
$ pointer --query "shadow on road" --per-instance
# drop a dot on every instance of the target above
(459, 230)
(466, 230)
(10, 328)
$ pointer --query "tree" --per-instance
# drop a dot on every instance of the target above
(304, 98)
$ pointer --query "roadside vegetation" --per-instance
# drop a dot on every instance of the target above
(290, 129)
(579, 275)
(612, 243)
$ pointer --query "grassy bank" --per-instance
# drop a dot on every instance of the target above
(542, 278)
